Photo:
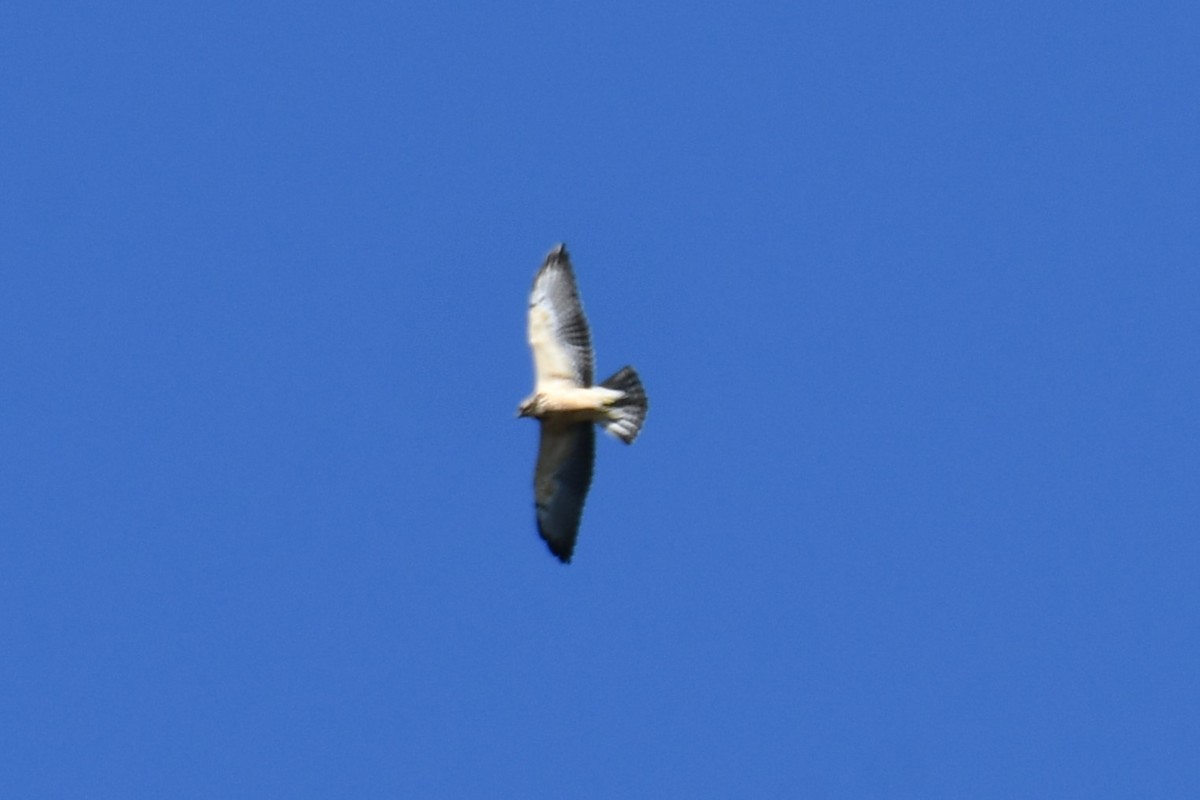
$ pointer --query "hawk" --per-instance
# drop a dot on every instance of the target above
(568, 405)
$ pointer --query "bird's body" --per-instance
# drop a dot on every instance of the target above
(590, 402)
(567, 403)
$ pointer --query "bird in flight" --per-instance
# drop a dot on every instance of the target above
(568, 405)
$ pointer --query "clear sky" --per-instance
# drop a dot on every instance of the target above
(913, 289)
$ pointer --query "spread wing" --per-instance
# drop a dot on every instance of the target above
(558, 330)
(561, 481)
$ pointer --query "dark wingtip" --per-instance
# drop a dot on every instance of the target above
(562, 553)
(561, 548)
(558, 253)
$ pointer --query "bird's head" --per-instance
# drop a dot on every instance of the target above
(530, 406)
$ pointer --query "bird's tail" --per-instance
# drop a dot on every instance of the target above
(627, 413)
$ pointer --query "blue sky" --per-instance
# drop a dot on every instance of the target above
(913, 291)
